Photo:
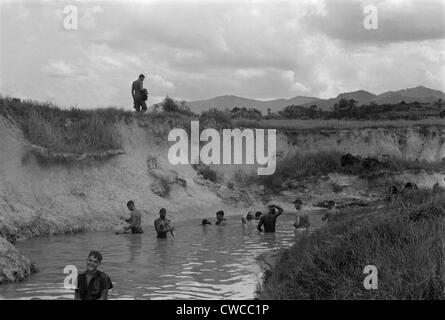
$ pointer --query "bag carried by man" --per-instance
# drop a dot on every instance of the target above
(144, 94)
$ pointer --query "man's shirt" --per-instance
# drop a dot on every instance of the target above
(92, 291)
(137, 87)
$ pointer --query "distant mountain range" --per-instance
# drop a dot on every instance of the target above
(420, 94)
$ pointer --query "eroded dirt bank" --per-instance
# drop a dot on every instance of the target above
(41, 198)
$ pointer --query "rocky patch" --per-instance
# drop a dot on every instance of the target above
(14, 266)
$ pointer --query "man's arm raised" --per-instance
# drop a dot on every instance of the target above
(280, 211)
(260, 224)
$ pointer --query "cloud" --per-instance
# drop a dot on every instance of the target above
(60, 68)
(397, 21)
(199, 49)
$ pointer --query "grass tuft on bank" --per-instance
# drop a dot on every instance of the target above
(405, 244)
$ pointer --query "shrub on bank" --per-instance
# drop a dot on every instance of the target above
(301, 166)
(328, 264)
(206, 172)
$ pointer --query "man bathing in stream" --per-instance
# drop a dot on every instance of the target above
(250, 217)
(301, 221)
(269, 219)
(163, 225)
(220, 220)
(134, 220)
(93, 284)
(332, 211)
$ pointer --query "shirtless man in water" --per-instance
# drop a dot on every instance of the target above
(250, 217)
(220, 218)
(134, 220)
(301, 221)
(332, 211)
(269, 219)
(163, 225)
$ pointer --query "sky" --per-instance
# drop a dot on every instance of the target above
(193, 50)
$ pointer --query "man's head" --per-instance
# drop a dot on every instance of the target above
(141, 77)
(271, 209)
(220, 215)
(205, 221)
(298, 203)
(130, 205)
(162, 213)
(93, 261)
(258, 214)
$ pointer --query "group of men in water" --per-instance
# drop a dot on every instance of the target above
(162, 224)
(266, 222)
(94, 284)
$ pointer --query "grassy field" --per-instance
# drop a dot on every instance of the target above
(295, 124)
(405, 243)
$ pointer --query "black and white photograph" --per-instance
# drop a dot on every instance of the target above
(243, 152)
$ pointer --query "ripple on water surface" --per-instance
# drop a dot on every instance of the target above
(210, 262)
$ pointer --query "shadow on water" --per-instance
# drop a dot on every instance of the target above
(200, 262)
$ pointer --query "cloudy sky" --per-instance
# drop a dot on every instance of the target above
(195, 50)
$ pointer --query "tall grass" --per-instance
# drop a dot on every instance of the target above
(329, 263)
(79, 131)
(64, 131)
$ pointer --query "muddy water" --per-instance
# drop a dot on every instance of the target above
(210, 262)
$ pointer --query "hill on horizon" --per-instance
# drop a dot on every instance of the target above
(231, 101)
(420, 94)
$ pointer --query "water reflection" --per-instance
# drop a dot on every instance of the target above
(200, 262)
(134, 244)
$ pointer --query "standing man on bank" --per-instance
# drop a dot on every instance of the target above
(139, 94)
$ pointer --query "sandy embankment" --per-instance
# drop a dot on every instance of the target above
(37, 199)
(41, 199)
